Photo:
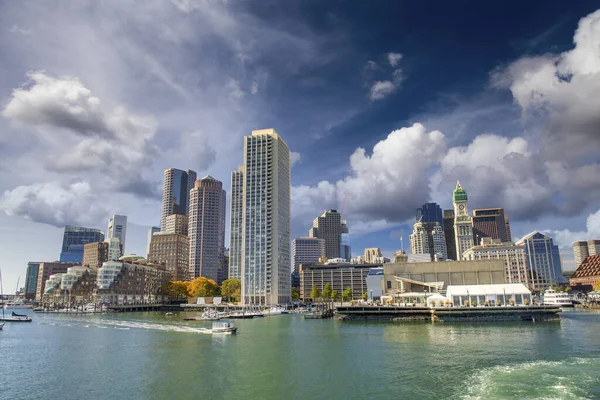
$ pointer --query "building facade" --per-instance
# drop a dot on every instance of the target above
(490, 222)
(339, 276)
(515, 261)
(236, 234)
(463, 225)
(266, 246)
(587, 274)
(176, 192)
(94, 254)
(329, 227)
(151, 232)
(428, 238)
(206, 230)
(117, 228)
(543, 261)
(31, 279)
(307, 250)
(585, 248)
(430, 212)
(449, 234)
(74, 238)
(177, 223)
(373, 255)
(46, 269)
(171, 250)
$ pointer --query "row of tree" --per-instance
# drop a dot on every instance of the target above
(330, 294)
(203, 287)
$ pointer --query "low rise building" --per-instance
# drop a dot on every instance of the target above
(46, 269)
(339, 276)
(489, 295)
(513, 256)
(586, 276)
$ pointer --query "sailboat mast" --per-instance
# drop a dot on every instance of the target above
(2, 294)
(17, 288)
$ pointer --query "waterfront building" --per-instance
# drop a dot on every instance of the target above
(52, 287)
(593, 247)
(46, 269)
(543, 261)
(463, 226)
(207, 229)
(132, 280)
(339, 276)
(513, 256)
(489, 295)
(151, 231)
(171, 250)
(329, 227)
(584, 248)
(236, 236)
(436, 276)
(94, 254)
(587, 274)
(449, 234)
(373, 255)
(374, 281)
(490, 222)
(430, 212)
(176, 192)
(266, 220)
(428, 238)
(115, 250)
(31, 279)
(177, 223)
(117, 228)
(74, 238)
(307, 250)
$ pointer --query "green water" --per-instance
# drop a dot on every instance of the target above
(150, 356)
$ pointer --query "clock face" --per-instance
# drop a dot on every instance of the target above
(461, 207)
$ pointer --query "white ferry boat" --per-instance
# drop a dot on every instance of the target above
(555, 298)
(223, 327)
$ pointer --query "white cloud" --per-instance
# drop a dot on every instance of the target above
(381, 89)
(17, 29)
(254, 88)
(234, 90)
(565, 237)
(394, 58)
(295, 158)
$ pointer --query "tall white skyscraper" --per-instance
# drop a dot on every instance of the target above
(463, 225)
(266, 219)
(428, 238)
(236, 214)
(117, 228)
(206, 229)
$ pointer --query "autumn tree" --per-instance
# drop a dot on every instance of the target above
(176, 289)
(204, 287)
(365, 296)
(232, 289)
(597, 285)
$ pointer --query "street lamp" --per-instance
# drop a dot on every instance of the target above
(504, 290)
(469, 297)
(371, 295)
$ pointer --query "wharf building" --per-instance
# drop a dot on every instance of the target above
(74, 238)
(206, 232)
(75, 285)
(330, 227)
(31, 279)
(428, 238)
(449, 234)
(543, 261)
(584, 248)
(264, 248)
(45, 269)
(117, 228)
(587, 274)
(307, 250)
(492, 223)
(340, 276)
(176, 192)
(463, 225)
(515, 261)
(172, 251)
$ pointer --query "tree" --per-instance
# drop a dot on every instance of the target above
(176, 289)
(365, 296)
(232, 289)
(295, 294)
(597, 285)
(315, 293)
(327, 291)
(334, 295)
(347, 294)
(204, 287)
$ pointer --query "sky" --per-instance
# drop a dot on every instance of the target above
(384, 105)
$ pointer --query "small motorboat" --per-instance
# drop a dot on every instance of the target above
(223, 327)
(168, 314)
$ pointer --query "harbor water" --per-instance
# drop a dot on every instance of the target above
(151, 356)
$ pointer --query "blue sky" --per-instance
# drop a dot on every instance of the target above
(385, 104)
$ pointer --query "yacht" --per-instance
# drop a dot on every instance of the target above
(16, 305)
(555, 298)
(223, 327)
(275, 311)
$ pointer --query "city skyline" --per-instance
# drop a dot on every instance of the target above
(360, 152)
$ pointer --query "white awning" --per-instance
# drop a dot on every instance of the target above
(481, 290)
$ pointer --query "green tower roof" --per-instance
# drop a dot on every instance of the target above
(459, 193)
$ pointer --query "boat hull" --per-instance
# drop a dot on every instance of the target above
(13, 319)
(224, 330)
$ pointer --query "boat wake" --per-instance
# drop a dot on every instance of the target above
(127, 325)
(573, 378)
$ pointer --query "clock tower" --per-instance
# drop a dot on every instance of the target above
(463, 225)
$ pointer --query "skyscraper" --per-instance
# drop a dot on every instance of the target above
(117, 228)
(580, 252)
(430, 212)
(490, 222)
(428, 238)
(449, 234)
(266, 219)
(151, 232)
(171, 250)
(236, 238)
(543, 260)
(177, 223)
(206, 231)
(329, 226)
(74, 238)
(463, 226)
(307, 250)
(176, 193)
(31, 279)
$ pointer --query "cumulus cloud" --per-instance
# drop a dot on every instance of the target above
(54, 203)
(234, 89)
(381, 89)
(254, 88)
(295, 158)
(565, 237)
(394, 58)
